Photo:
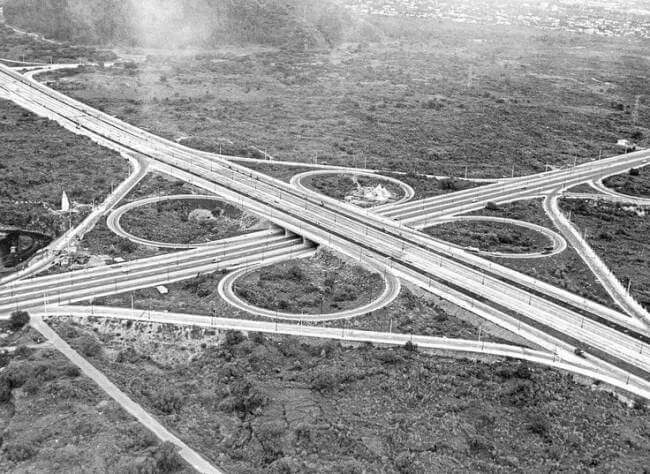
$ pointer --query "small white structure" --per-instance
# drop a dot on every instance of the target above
(625, 143)
(65, 202)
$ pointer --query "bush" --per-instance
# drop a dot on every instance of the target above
(295, 273)
(245, 397)
(5, 390)
(539, 425)
(324, 380)
(233, 338)
(167, 458)
(88, 345)
(18, 452)
(168, 401)
(18, 319)
(409, 346)
(640, 404)
(448, 184)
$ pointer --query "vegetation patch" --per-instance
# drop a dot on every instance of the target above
(53, 419)
(284, 404)
(324, 283)
(189, 221)
(22, 47)
(619, 235)
(435, 98)
(565, 270)
(491, 236)
(635, 183)
(39, 160)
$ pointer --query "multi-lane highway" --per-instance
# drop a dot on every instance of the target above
(409, 254)
(262, 247)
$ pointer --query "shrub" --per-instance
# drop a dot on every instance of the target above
(4, 359)
(5, 390)
(126, 246)
(18, 319)
(324, 380)
(233, 338)
(167, 458)
(257, 337)
(88, 345)
(246, 397)
(168, 401)
(640, 404)
(448, 184)
(18, 452)
(539, 425)
(409, 346)
(295, 273)
(269, 435)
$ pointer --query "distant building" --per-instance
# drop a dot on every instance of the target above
(625, 143)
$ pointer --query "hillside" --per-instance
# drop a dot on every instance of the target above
(171, 24)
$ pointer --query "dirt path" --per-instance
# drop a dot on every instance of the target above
(193, 458)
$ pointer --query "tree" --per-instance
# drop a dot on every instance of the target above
(18, 319)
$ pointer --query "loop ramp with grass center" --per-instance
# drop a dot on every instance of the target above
(355, 187)
(322, 287)
(182, 221)
(498, 236)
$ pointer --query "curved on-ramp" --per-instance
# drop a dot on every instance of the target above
(606, 277)
(637, 200)
(578, 366)
(113, 222)
(392, 287)
(558, 242)
(407, 190)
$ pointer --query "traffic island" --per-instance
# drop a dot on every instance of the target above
(323, 287)
(182, 221)
(358, 188)
(499, 237)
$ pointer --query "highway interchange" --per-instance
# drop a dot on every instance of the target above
(615, 343)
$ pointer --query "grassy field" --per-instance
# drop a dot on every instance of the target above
(636, 183)
(290, 405)
(618, 234)
(39, 160)
(429, 97)
(491, 236)
(55, 420)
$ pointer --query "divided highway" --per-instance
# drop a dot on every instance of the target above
(364, 235)
(264, 247)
